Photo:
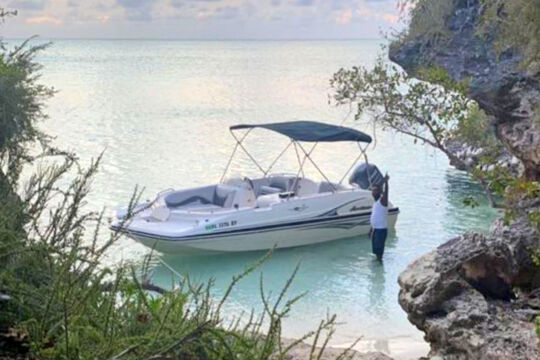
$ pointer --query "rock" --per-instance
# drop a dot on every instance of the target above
(470, 156)
(462, 294)
(499, 83)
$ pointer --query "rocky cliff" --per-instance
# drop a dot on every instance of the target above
(498, 81)
(476, 296)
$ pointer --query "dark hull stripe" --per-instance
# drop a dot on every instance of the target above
(289, 226)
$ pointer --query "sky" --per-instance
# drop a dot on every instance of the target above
(201, 19)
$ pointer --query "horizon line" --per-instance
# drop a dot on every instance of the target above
(188, 39)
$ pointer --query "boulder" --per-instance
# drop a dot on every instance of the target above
(470, 296)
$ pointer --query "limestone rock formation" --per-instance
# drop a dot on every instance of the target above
(497, 81)
(463, 295)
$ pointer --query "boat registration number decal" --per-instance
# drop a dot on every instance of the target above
(221, 225)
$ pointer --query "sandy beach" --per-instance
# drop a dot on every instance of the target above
(399, 348)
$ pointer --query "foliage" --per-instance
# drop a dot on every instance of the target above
(21, 104)
(57, 298)
(475, 128)
(435, 111)
(426, 19)
(519, 193)
(69, 305)
(423, 110)
(6, 13)
(517, 24)
(471, 201)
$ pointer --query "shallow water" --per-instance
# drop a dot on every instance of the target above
(161, 110)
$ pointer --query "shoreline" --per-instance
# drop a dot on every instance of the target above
(398, 347)
(395, 348)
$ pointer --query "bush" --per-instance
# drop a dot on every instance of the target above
(427, 18)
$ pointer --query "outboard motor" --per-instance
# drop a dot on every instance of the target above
(366, 175)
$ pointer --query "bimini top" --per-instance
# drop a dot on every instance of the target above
(311, 131)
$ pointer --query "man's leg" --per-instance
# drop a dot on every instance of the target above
(382, 242)
(378, 240)
(373, 236)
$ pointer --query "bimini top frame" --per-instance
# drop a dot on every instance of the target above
(305, 131)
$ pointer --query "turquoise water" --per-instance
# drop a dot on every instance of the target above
(161, 110)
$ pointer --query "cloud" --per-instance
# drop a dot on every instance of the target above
(134, 3)
(304, 2)
(27, 4)
(344, 17)
(342, 4)
(363, 11)
(223, 18)
(103, 18)
(249, 8)
(137, 10)
(43, 19)
(226, 12)
(390, 18)
(177, 3)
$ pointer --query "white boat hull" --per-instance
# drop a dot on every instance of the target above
(285, 236)
(250, 222)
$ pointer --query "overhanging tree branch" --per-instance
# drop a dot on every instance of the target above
(429, 112)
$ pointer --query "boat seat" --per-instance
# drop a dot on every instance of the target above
(306, 187)
(216, 195)
(268, 190)
(179, 199)
(326, 186)
(284, 183)
(224, 195)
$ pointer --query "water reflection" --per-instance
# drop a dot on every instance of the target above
(344, 269)
(376, 285)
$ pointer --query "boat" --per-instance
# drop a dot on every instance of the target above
(274, 210)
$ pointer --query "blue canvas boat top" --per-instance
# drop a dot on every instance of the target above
(310, 131)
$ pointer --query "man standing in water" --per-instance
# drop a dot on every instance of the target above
(379, 217)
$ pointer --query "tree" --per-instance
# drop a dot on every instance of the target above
(436, 111)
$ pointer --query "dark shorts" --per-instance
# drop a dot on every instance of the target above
(378, 238)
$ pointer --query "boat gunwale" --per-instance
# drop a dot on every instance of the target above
(224, 211)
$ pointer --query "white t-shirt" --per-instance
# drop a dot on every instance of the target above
(379, 215)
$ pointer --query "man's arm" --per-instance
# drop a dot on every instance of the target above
(384, 200)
